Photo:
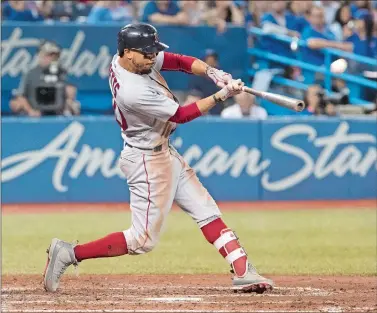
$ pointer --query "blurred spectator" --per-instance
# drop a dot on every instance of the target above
(65, 11)
(123, 11)
(81, 10)
(330, 8)
(195, 11)
(111, 11)
(292, 73)
(43, 90)
(72, 106)
(278, 21)
(253, 15)
(359, 4)
(45, 8)
(318, 36)
(19, 11)
(317, 103)
(244, 107)
(201, 87)
(340, 28)
(256, 9)
(164, 12)
(222, 12)
(62, 10)
(297, 10)
(363, 40)
(340, 92)
(365, 44)
(372, 111)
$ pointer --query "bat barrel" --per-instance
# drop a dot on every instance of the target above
(286, 102)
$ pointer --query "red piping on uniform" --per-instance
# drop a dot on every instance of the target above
(186, 114)
(177, 62)
(149, 202)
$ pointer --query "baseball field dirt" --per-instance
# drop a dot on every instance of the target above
(322, 260)
(196, 293)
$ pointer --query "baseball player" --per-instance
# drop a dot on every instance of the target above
(147, 113)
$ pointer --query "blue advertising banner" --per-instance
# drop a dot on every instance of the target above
(319, 159)
(223, 153)
(75, 159)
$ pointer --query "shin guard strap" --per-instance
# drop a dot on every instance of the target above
(235, 255)
(224, 239)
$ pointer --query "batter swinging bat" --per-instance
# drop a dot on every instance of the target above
(286, 102)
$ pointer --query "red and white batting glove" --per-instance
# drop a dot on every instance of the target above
(234, 87)
(219, 77)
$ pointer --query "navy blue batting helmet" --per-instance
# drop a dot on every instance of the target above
(139, 36)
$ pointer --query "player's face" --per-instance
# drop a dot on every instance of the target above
(143, 62)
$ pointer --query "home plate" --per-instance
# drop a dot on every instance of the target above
(174, 299)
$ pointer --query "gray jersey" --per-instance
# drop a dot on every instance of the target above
(142, 104)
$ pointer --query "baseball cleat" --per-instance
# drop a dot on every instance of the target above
(252, 282)
(60, 256)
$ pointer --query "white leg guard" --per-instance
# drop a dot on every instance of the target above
(235, 254)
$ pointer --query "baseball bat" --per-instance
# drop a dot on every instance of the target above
(286, 102)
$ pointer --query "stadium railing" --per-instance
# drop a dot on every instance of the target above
(354, 82)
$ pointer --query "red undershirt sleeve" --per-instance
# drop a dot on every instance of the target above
(177, 62)
(186, 114)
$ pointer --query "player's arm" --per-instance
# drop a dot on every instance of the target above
(151, 103)
(191, 65)
(189, 112)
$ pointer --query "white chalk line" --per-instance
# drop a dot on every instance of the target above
(138, 288)
(339, 309)
(121, 296)
(133, 287)
(334, 309)
(238, 295)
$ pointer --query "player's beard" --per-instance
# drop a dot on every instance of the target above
(146, 71)
(140, 69)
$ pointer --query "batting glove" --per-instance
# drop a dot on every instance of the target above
(234, 87)
(219, 77)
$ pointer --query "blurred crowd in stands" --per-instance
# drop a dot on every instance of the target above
(342, 19)
(346, 25)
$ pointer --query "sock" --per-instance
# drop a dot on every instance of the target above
(112, 245)
(213, 231)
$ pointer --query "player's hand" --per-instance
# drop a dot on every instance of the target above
(234, 87)
(219, 77)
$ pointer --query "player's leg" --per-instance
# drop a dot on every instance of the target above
(193, 198)
(152, 184)
(152, 187)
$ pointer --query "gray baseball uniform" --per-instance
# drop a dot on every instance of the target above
(143, 105)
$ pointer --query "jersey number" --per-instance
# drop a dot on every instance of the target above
(114, 86)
